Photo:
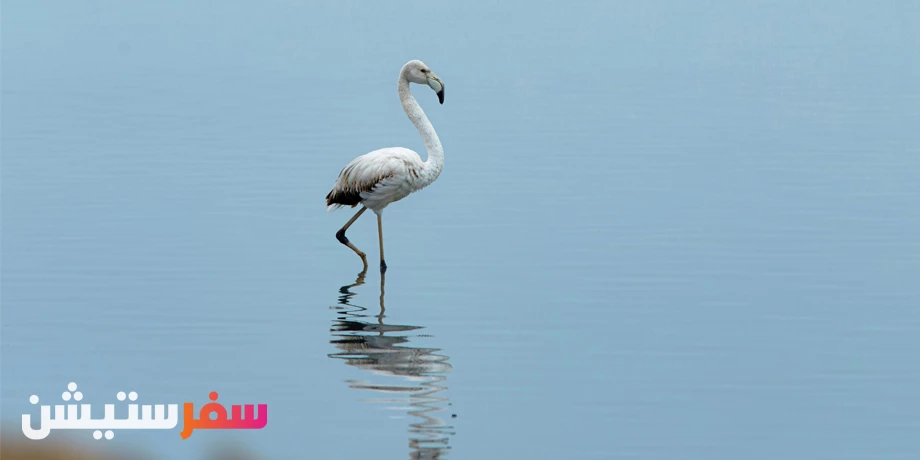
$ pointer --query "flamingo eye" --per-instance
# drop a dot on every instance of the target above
(424, 70)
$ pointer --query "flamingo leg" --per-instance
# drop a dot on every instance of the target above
(340, 235)
(383, 264)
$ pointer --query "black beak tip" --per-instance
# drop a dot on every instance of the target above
(441, 96)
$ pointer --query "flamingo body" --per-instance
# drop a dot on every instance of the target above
(376, 179)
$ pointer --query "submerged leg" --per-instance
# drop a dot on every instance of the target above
(383, 309)
(340, 235)
(383, 264)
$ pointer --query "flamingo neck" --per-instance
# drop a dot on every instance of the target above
(435, 162)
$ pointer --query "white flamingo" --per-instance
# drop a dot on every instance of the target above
(376, 179)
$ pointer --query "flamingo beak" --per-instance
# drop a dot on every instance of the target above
(437, 85)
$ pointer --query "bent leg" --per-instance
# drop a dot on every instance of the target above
(340, 235)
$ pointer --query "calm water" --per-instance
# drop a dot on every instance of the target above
(664, 230)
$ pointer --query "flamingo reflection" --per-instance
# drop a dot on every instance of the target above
(367, 342)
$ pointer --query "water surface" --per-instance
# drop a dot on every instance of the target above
(663, 230)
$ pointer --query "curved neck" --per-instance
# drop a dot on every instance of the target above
(416, 115)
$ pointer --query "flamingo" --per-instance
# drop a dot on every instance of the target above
(384, 176)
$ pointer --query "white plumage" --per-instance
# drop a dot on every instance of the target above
(376, 179)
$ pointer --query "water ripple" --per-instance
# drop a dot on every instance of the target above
(365, 341)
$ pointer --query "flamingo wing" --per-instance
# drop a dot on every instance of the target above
(377, 171)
